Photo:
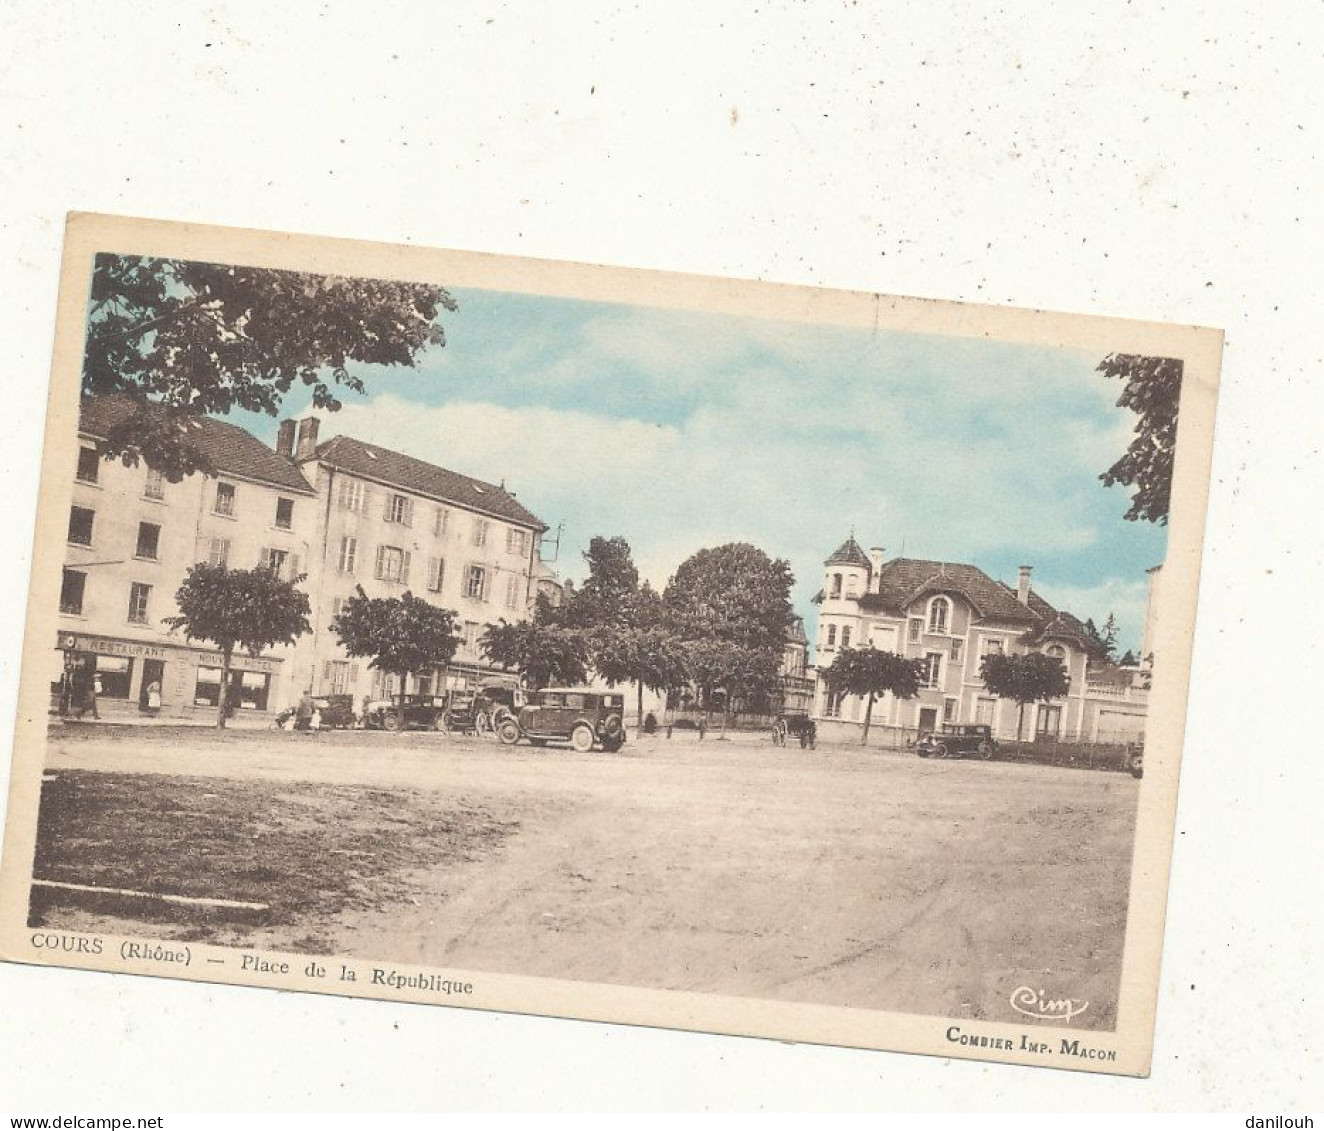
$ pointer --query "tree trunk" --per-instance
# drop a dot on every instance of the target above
(223, 701)
(868, 717)
(400, 706)
(1020, 724)
(639, 687)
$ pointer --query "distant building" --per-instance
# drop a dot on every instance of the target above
(797, 685)
(950, 615)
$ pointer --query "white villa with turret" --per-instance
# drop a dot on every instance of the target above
(950, 615)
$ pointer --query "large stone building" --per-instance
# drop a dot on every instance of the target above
(341, 514)
(390, 522)
(950, 615)
(131, 537)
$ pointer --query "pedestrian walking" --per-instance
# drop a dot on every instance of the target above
(303, 715)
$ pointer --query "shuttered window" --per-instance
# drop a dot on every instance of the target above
(392, 564)
(436, 573)
(349, 552)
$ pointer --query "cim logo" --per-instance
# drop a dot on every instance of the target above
(1039, 1005)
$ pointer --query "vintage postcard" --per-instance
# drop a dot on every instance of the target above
(608, 644)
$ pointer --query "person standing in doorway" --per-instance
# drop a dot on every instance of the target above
(95, 690)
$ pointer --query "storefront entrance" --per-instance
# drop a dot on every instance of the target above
(149, 692)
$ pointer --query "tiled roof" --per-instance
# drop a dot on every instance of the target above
(902, 580)
(905, 580)
(1055, 624)
(230, 448)
(386, 466)
(850, 553)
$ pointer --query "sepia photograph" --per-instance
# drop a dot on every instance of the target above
(393, 633)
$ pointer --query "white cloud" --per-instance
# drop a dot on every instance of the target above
(1125, 598)
(762, 474)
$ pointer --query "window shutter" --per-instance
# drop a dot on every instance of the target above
(487, 585)
(353, 674)
(409, 512)
(378, 573)
(404, 568)
(264, 560)
(294, 566)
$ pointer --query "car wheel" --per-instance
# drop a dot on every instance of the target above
(508, 732)
(390, 721)
(582, 738)
(985, 750)
(940, 751)
(1138, 767)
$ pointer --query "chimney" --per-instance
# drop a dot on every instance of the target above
(876, 561)
(307, 437)
(1023, 585)
(285, 439)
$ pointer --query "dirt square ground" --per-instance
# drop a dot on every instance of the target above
(838, 876)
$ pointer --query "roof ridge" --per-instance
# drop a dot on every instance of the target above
(424, 462)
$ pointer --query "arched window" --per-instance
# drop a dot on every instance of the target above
(836, 585)
(1057, 652)
(939, 608)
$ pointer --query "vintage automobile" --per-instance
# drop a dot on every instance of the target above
(330, 712)
(480, 711)
(958, 741)
(422, 712)
(1135, 761)
(576, 715)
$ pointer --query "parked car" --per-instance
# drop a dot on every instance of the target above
(1135, 762)
(421, 712)
(568, 714)
(331, 712)
(958, 740)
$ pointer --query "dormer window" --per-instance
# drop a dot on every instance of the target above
(939, 614)
(1057, 652)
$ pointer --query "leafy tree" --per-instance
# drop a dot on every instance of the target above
(1102, 646)
(401, 636)
(183, 339)
(732, 606)
(252, 609)
(1029, 678)
(610, 588)
(872, 672)
(1153, 392)
(647, 657)
(543, 653)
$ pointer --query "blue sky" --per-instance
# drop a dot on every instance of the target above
(680, 430)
